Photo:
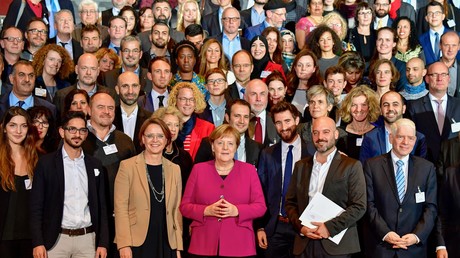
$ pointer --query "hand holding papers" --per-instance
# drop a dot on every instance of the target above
(321, 209)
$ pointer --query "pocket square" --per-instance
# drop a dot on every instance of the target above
(96, 172)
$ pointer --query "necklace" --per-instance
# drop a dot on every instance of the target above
(155, 192)
(360, 130)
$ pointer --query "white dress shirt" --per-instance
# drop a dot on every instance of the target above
(319, 174)
(129, 122)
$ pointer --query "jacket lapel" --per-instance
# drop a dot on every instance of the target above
(388, 169)
(411, 179)
(141, 169)
(336, 160)
(168, 180)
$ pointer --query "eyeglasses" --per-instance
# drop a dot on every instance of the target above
(281, 14)
(238, 66)
(381, 5)
(151, 136)
(185, 100)
(433, 14)
(88, 12)
(365, 13)
(335, 25)
(230, 19)
(73, 130)
(128, 51)
(44, 124)
(438, 75)
(12, 39)
(218, 81)
(37, 31)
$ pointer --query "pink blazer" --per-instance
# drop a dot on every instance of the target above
(233, 236)
(201, 130)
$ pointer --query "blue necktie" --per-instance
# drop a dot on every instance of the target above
(436, 45)
(400, 181)
(117, 49)
(21, 103)
(243, 90)
(287, 177)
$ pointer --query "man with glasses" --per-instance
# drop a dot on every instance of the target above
(12, 43)
(22, 78)
(275, 15)
(89, 14)
(69, 184)
(381, 10)
(36, 35)
(213, 22)
(436, 115)
(118, 27)
(242, 67)
(64, 25)
(450, 47)
(131, 53)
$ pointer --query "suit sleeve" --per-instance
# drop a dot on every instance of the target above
(365, 152)
(421, 149)
(121, 204)
(12, 13)
(262, 171)
(37, 204)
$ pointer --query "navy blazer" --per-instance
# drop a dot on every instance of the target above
(211, 23)
(5, 105)
(270, 175)
(374, 145)
(253, 31)
(27, 15)
(47, 200)
(386, 213)
(430, 56)
(246, 16)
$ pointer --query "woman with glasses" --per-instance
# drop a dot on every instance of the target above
(53, 66)
(147, 195)
(146, 20)
(189, 13)
(335, 21)
(212, 56)
(217, 102)
(188, 99)
(363, 35)
(130, 15)
(46, 127)
(309, 23)
(407, 44)
(19, 157)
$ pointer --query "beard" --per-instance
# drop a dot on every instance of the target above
(324, 148)
(288, 135)
(159, 45)
(161, 18)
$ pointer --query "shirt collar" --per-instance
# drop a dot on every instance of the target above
(92, 130)
(432, 98)
(395, 158)
(134, 113)
(58, 40)
(66, 156)
(329, 157)
(214, 107)
(296, 143)
(27, 102)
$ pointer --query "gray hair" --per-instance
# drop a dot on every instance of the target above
(87, 2)
(130, 38)
(56, 15)
(400, 123)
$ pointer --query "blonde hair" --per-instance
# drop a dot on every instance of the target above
(200, 103)
(372, 100)
(180, 15)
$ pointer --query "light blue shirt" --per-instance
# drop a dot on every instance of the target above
(137, 71)
(14, 101)
(68, 45)
(231, 46)
(433, 38)
(221, 11)
(257, 18)
(218, 112)
(112, 46)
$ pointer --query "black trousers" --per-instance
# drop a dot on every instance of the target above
(315, 249)
(16, 248)
(281, 243)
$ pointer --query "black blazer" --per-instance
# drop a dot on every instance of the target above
(252, 148)
(5, 105)
(27, 15)
(47, 200)
(142, 115)
(110, 78)
(106, 15)
(270, 175)
(271, 136)
(233, 91)
(386, 213)
(211, 24)
(76, 48)
(246, 16)
(344, 185)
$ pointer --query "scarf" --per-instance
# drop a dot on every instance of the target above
(414, 90)
(259, 65)
(394, 8)
(186, 130)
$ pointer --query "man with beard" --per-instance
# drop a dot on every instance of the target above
(111, 12)
(36, 35)
(12, 43)
(341, 180)
(415, 87)
(237, 115)
(89, 14)
(90, 39)
(159, 74)
(274, 233)
(377, 142)
(22, 78)
(381, 9)
(131, 53)
(254, 15)
(160, 40)
(275, 15)
(109, 145)
(87, 70)
(129, 117)
(118, 28)
(68, 199)
(64, 25)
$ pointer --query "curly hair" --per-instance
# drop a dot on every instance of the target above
(293, 79)
(204, 63)
(180, 15)
(394, 72)
(67, 66)
(200, 103)
(277, 57)
(170, 110)
(413, 39)
(112, 55)
(314, 36)
(372, 100)
(7, 165)
(335, 15)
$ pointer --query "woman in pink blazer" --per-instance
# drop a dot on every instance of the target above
(223, 197)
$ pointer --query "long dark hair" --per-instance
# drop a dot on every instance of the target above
(413, 40)
(50, 141)
(293, 80)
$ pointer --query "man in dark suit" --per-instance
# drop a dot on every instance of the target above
(68, 213)
(450, 45)
(23, 79)
(118, 28)
(274, 233)
(381, 10)
(230, 36)
(275, 15)
(436, 115)
(377, 142)
(131, 53)
(401, 198)
(261, 127)
(242, 68)
(114, 11)
(237, 115)
(160, 75)
(87, 70)
(89, 14)
(254, 15)
(129, 117)
(212, 22)
(11, 50)
(64, 25)
(337, 177)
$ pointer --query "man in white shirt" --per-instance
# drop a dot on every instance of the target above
(160, 74)
(64, 25)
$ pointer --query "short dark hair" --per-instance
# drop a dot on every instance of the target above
(71, 115)
(160, 1)
(241, 102)
(433, 3)
(158, 58)
(158, 122)
(90, 28)
(284, 106)
(334, 70)
(69, 98)
(21, 62)
(193, 30)
(117, 17)
(36, 19)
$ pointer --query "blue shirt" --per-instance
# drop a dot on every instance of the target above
(14, 101)
(231, 46)
(257, 18)
(218, 112)
(112, 46)
(138, 69)
(220, 12)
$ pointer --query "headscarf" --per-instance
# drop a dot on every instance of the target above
(259, 65)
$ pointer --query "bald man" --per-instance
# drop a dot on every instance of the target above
(415, 87)
(87, 70)
(450, 45)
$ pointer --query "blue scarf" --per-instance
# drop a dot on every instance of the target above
(186, 130)
(414, 90)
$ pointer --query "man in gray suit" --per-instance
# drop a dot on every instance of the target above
(337, 177)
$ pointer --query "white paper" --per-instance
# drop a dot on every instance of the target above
(321, 209)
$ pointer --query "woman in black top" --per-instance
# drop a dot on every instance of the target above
(363, 36)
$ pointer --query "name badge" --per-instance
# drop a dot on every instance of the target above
(40, 92)
(455, 127)
(420, 196)
(96, 172)
(359, 141)
(265, 74)
(451, 23)
(110, 149)
(28, 184)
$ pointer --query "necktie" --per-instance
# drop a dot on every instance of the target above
(21, 103)
(258, 131)
(436, 45)
(160, 101)
(379, 24)
(441, 115)
(400, 181)
(287, 177)
(117, 49)
(243, 90)
(63, 44)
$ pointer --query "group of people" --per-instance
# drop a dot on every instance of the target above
(205, 129)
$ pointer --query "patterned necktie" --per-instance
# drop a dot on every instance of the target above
(441, 115)
(258, 131)
(160, 101)
(400, 181)
(287, 177)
